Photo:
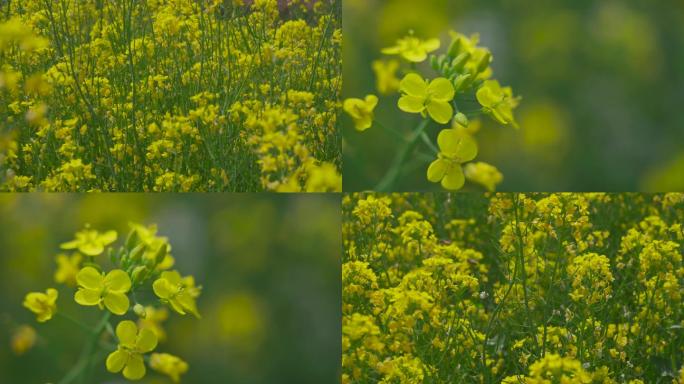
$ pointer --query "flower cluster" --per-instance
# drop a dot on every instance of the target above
(461, 90)
(512, 288)
(170, 95)
(143, 263)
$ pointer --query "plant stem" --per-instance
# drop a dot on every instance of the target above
(388, 181)
(84, 359)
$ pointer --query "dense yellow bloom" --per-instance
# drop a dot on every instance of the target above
(412, 48)
(179, 292)
(170, 365)
(90, 242)
(102, 290)
(133, 343)
(420, 97)
(44, 305)
(361, 111)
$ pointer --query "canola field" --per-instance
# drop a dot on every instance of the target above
(513, 288)
(170, 95)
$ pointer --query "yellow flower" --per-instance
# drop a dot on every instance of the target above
(433, 98)
(170, 365)
(386, 76)
(67, 268)
(412, 48)
(484, 174)
(498, 101)
(42, 304)
(455, 148)
(361, 111)
(154, 245)
(132, 345)
(178, 292)
(153, 319)
(104, 291)
(23, 339)
(90, 242)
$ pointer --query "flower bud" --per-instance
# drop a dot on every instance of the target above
(461, 82)
(484, 62)
(140, 311)
(137, 252)
(461, 119)
(132, 239)
(139, 274)
(161, 253)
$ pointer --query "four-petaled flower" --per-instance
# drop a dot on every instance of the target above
(435, 97)
(170, 365)
(412, 48)
(67, 268)
(103, 290)
(90, 242)
(455, 148)
(179, 292)
(498, 101)
(132, 345)
(42, 304)
(361, 111)
(386, 76)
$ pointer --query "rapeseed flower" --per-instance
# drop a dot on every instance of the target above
(133, 343)
(179, 292)
(96, 288)
(419, 96)
(455, 148)
(361, 111)
(44, 305)
(90, 242)
(412, 48)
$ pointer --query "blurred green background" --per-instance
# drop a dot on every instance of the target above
(269, 266)
(602, 85)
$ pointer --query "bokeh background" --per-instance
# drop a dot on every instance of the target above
(602, 85)
(269, 266)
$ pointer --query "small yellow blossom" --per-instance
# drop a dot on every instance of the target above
(133, 343)
(67, 268)
(412, 48)
(90, 242)
(170, 365)
(386, 76)
(455, 148)
(23, 339)
(103, 290)
(179, 292)
(434, 98)
(44, 305)
(361, 111)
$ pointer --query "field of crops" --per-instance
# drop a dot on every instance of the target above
(170, 95)
(513, 288)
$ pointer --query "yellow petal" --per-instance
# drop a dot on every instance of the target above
(86, 296)
(391, 50)
(454, 178)
(415, 55)
(457, 145)
(146, 341)
(414, 85)
(411, 104)
(440, 111)
(90, 278)
(108, 237)
(73, 244)
(431, 44)
(91, 249)
(52, 295)
(117, 281)
(116, 302)
(188, 303)
(126, 332)
(437, 170)
(116, 361)
(163, 289)
(371, 102)
(135, 368)
(172, 276)
(353, 106)
(441, 89)
(363, 123)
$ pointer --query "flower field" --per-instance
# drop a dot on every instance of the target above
(170, 95)
(513, 288)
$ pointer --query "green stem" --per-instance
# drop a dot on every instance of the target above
(84, 359)
(390, 178)
(71, 319)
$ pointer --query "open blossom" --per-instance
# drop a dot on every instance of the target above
(44, 305)
(108, 290)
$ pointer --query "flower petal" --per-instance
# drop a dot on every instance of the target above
(430, 44)
(108, 237)
(126, 332)
(414, 85)
(454, 178)
(116, 361)
(371, 102)
(86, 296)
(116, 302)
(91, 248)
(440, 111)
(457, 145)
(163, 289)
(441, 89)
(90, 278)
(118, 281)
(172, 276)
(135, 368)
(411, 104)
(437, 170)
(146, 341)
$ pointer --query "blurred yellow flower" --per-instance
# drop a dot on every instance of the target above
(170, 365)
(67, 268)
(484, 174)
(133, 343)
(412, 48)
(386, 76)
(90, 242)
(23, 339)
(153, 319)
(361, 111)
(103, 290)
(42, 304)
